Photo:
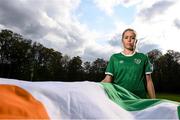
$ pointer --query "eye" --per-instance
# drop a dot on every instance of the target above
(126, 37)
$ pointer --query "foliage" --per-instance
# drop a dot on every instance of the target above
(26, 60)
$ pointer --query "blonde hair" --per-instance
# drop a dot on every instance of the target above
(128, 29)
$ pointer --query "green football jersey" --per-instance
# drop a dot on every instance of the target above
(129, 71)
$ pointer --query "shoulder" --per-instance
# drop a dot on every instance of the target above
(142, 55)
(114, 56)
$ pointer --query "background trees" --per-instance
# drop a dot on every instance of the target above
(166, 74)
(26, 60)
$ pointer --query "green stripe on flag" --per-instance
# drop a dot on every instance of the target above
(126, 99)
(178, 111)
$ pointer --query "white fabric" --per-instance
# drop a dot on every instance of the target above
(86, 100)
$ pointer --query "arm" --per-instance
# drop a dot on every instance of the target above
(108, 78)
(150, 86)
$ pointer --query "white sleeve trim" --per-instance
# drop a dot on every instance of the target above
(108, 73)
(148, 73)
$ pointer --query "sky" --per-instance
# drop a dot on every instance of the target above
(92, 29)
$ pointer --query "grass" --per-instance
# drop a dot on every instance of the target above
(168, 96)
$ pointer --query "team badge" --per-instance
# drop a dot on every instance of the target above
(137, 61)
(121, 61)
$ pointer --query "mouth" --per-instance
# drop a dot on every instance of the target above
(131, 45)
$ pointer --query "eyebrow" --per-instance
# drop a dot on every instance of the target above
(129, 35)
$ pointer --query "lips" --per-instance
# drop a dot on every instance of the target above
(130, 44)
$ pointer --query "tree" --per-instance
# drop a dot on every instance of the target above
(14, 55)
(154, 56)
(168, 72)
(75, 69)
(23, 59)
(97, 70)
(6, 42)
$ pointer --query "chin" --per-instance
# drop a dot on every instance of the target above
(131, 49)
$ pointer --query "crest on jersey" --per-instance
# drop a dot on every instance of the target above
(121, 61)
(137, 61)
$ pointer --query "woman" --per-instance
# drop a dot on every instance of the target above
(130, 69)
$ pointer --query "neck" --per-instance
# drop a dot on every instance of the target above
(128, 52)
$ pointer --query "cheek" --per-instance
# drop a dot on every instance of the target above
(124, 41)
(133, 42)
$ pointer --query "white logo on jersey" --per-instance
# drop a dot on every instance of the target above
(121, 61)
(137, 61)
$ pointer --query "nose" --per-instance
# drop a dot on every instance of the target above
(129, 39)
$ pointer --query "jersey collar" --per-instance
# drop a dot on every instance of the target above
(128, 55)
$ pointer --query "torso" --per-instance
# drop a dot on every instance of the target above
(129, 72)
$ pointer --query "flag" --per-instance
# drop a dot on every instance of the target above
(78, 100)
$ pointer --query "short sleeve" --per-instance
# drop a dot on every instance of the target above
(148, 66)
(110, 67)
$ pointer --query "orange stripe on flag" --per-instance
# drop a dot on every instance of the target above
(17, 103)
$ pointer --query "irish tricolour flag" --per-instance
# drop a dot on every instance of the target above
(78, 100)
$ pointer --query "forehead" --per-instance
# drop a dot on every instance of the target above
(129, 33)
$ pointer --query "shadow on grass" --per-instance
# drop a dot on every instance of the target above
(168, 96)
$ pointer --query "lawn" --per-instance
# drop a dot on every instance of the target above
(169, 96)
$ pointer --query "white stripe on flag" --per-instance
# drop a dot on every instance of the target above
(87, 100)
